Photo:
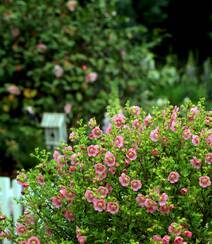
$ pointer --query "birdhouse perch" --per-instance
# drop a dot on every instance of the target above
(55, 129)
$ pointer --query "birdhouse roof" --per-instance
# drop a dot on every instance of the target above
(52, 120)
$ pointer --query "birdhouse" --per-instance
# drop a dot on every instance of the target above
(55, 128)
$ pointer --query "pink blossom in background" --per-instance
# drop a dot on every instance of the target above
(147, 120)
(131, 154)
(56, 201)
(108, 129)
(42, 48)
(196, 163)
(136, 185)
(172, 123)
(174, 229)
(68, 108)
(188, 233)
(93, 150)
(33, 240)
(14, 90)
(187, 133)
(204, 181)
(100, 168)
(96, 132)
(99, 204)
(109, 159)
(56, 155)
(173, 177)
(112, 207)
(63, 192)
(154, 135)
(112, 170)
(84, 67)
(91, 77)
(140, 199)
(58, 71)
(124, 180)
(71, 5)
(208, 158)
(178, 240)
(119, 120)
(136, 123)
(195, 140)
(89, 195)
(164, 209)
(119, 141)
(183, 191)
(103, 191)
(68, 215)
(20, 229)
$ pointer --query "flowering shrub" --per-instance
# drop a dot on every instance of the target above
(146, 180)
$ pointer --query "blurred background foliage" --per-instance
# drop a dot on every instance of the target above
(67, 55)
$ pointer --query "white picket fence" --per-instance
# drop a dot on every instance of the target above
(9, 191)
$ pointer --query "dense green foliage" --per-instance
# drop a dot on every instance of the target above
(55, 56)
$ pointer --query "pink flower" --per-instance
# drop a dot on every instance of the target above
(91, 77)
(119, 120)
(13, 89)
(96, 132)
(183, 191)
(140, 199)
(147, 120)
(21, 242)
(101, 177)
(119, 141)
(154, 135)
(108, 129)
(63, 192)
(109, 187)
(110, 159)
(103, 191)
(188, 233)
(135, 110)
(100, 168)
(68, 215)
(136, 185)
(81, 239)
(166, 239)
(173, 177)
(151, 206)
(40, 180)
(99, 204)
(178, 240)
(156, 238)
(20, 229)
(187, 133)
(208, 139)
(71, 5)
(58, 71)
(172, 123)
(112, 207)
(136, 123)
(124, 180)
(164, 209)
(89, 195)
(131, 154)
(196, 163)
(56, 201)
(174, 228)
(68, 108)
(204, 181)
(208, 158)
(33, 240)
(195, 140)
(41, 47)
(163, 199)
(112, 170)
(93, 150)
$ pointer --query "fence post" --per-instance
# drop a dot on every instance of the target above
(16, 207)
